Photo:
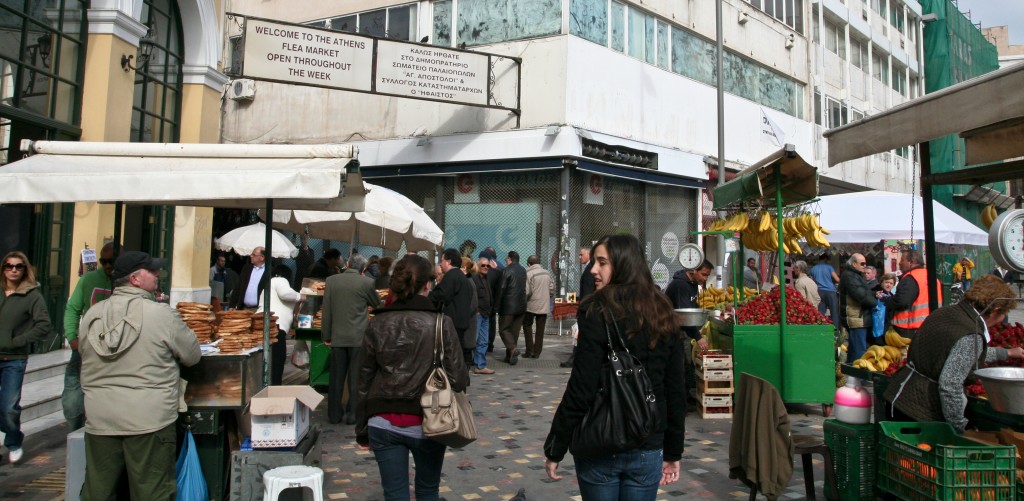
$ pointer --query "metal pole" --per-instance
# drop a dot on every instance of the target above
(782, 277)
(118, 227)
(719, 84)
(565, 257)
(929, 225)
(268, 248)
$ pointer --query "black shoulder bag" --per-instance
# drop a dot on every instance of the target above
(624, 413)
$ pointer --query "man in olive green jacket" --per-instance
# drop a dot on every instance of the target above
(347, 296)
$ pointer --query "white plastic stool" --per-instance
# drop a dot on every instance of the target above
(285, 477)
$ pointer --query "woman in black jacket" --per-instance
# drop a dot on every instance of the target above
(626, 294)
(397, 359)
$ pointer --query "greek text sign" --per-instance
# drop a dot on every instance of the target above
(431, 73)
(306, 55)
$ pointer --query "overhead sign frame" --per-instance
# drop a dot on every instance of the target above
(298, 54)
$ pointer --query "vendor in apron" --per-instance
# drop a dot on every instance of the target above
(951, 343)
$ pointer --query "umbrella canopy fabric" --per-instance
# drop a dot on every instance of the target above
(870, 216)
(388, 220)
(243, 240)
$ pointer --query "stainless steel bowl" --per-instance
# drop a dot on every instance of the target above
(692, 317)
(1005, 388)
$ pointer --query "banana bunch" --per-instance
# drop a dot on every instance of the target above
(761, 234)
(808, 226)
(989, 215)
(894, 340)
(736, 222)
(878, 358)
(711, 297)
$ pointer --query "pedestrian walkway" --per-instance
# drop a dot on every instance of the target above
(513, 410)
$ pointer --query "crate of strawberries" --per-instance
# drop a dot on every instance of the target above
(764, 310)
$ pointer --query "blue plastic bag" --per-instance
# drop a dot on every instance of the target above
(878, 319)
(191, 483)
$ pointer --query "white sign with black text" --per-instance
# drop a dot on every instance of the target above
(306, 55)
(431, 73)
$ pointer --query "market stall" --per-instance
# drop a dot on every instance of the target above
(780, 343)
(309, 177)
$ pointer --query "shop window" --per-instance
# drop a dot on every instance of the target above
(442, 35)
(483, 22)
(588, 19)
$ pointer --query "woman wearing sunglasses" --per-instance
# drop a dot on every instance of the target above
(23, 319)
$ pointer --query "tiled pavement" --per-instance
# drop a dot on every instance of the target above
(513, 412)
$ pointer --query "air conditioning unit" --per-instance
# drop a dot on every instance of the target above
(242, 89)
(903, 44)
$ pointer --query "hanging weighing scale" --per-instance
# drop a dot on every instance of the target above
(1006, 240)
(691, 256)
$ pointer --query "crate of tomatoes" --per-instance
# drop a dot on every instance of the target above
(929, 461)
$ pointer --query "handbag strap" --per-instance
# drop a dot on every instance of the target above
(439, 342)
(618, 335)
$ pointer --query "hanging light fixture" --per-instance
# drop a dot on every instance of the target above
(146, 45)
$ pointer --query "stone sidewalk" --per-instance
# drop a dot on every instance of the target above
(513, 413)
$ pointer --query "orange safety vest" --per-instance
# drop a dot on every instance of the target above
(913, 317)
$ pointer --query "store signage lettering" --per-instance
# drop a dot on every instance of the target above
(428, 72)
(306, 55)
(314, 56)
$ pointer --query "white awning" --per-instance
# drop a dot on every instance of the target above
(987, 111)
(307, 177)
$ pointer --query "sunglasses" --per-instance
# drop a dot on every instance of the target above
(9, 266)
(106, 261)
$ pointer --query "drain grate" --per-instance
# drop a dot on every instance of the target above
(51, 482)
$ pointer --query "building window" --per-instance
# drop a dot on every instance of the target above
(156, 107)
(859, 54)
(788, 12)
(899, 80)
(42, 56)
(442, 35)
(483, 22)
(618, 27)
(641, 35)
(837, 113)
(896, 16)
(397, 22)
(880, 67)
(835, 39)
(817, 108)
(879, 7)
(588, 19)
(855, 115)
(663, 30)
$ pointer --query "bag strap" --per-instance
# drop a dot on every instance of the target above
(439, 342)
(618, 335)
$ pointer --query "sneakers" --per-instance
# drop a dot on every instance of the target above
(15, 455)
(485, 370)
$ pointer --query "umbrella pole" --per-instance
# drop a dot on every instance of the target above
(266, 295)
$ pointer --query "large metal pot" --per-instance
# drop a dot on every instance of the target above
(692, 317)
(1005, 388)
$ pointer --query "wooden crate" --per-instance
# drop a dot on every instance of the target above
(715, 387)
(712, 359)
(715, 406)
(714, 374)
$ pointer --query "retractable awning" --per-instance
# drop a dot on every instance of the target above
(799, 180)
(304, 177)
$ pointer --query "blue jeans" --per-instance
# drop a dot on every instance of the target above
(630, 476)
(830, 302)
(858, 343)
(483, 328)
(12, 375)
(392, 453)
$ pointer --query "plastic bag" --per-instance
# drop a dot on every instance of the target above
(878, 320)
(300, 354)
(191, 482)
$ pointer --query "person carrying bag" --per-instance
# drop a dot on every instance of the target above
(447, 414)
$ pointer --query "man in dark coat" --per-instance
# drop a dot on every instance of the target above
(250, 287)
(511, 305)
(587, 286)
(326, 266)
(454, 295)
(856, 300)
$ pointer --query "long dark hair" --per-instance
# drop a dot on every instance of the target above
(631, 291)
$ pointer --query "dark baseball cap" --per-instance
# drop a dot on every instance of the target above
(131, 261)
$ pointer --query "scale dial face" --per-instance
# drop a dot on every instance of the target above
(690, 256)
(1006, 239)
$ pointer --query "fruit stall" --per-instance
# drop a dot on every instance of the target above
(777, 336)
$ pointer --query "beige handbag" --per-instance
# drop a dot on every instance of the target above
(447, 414)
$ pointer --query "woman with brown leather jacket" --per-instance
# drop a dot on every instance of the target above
(397, 359)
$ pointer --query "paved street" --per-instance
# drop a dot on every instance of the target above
(513, 413)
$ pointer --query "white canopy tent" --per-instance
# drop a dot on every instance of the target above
(871, 216)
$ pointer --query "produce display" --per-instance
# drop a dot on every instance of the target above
(714, 298)
(989, 215)
(761, 233)
(1002, 336)
(764, 309)
(889, 358)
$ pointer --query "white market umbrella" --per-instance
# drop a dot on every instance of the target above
(388, 220)
(871, 216)
(243, 240)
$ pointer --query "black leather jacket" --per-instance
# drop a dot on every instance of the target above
(397, 358)
(512, 298)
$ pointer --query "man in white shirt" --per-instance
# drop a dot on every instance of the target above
(252, 282)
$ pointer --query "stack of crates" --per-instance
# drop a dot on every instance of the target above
(714, 384)
(854, 449)
(929, 461)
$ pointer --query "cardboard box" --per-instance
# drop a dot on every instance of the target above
(281, 415)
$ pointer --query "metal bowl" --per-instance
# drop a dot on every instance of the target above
(692, 317)
(1005, 388)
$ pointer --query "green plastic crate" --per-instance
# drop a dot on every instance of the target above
(853, 449)
(955, 469)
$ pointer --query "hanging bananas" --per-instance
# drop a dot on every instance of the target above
(736, 222)
(878, 358)
(989, 215)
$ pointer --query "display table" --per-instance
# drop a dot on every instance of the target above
(807, 369)
(564, 310)
(219, 389)
(319, 356)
